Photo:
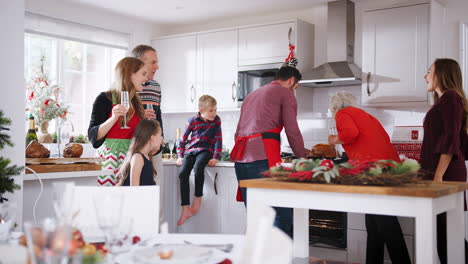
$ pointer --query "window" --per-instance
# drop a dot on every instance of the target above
(83, 71)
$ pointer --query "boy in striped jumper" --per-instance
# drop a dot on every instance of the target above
(203, 148)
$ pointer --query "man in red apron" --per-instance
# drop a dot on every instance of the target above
(263, 115)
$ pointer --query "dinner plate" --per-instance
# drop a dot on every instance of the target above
(182, 254)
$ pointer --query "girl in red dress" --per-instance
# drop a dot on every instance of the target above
(445, 140)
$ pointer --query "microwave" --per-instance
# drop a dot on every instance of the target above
(253, 77)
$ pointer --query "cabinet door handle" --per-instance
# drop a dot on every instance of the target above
(289, 35)
(192, 93)
(234, 91)
(215, 184)
(368, 80)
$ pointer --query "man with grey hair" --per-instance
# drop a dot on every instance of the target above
(151, 100)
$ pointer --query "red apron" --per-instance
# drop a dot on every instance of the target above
(271, 143)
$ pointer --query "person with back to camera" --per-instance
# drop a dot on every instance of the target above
(203, 148)
(264, 113)
(363, 138)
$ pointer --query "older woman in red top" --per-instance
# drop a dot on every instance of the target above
(445, 139)
(363, 137)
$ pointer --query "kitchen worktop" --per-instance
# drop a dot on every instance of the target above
(219, 164)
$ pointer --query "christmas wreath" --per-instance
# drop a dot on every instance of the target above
(353, 172)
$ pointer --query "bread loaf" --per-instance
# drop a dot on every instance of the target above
(73, 150)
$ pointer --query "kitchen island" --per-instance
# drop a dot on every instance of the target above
(421, 201)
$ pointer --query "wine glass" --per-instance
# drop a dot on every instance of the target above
(63, 195)
(149, 106)
(332, 131)
(171, 143)
(108, 214)
(126, 103)
(7, 220)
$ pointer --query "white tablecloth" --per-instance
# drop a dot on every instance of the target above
(234, 255)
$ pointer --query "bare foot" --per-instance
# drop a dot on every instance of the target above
(196, 205)
(186, 214)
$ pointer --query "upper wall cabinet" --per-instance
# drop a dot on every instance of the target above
(265, 44)
(217, 67)
(395, 56)
(207, 62)
(270, 43)
(177, 73)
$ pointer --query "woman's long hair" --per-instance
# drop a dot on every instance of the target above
(141, 136)
(124, 70)
(448, 76)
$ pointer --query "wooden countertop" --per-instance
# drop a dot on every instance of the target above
(426, 189)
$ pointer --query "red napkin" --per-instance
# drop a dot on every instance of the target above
(226, 261)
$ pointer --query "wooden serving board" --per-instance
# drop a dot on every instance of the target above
(44, 165)
(45, 168)
(421, 189)
(63, 160)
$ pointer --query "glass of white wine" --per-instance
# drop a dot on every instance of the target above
(126, 103)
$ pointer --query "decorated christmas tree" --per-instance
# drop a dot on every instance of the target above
(7, 183)
(43, 98)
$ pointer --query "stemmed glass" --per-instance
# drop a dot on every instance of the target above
(63, 195)
(332, 131)
(108, 214)
(7, 220)
(171, 145)
(126, 103)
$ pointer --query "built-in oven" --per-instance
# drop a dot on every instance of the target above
(253, 77)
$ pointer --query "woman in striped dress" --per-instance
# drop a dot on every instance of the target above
(105, 129)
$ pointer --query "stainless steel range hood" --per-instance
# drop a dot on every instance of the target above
(340, 69)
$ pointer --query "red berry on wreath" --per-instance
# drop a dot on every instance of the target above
(327, 163)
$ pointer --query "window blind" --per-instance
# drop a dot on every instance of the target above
(60, 28)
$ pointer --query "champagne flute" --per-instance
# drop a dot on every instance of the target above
(108, 208)
(171, 146)
(126, 103)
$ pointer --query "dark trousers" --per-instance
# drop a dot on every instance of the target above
(198, 162)
(385, 230)
(442, 239)
(253, 170)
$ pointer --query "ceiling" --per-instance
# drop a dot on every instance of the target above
(195, 11)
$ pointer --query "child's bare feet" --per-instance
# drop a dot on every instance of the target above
(195, 205)
(186, 214)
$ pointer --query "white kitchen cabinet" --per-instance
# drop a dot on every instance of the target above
(395, 56)
(220, 213)
(217, 67)
(208, 219)
(207, 62)
(265, 44)
(177, 73)
(233, 212)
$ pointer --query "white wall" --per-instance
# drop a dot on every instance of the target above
(141, 31)
(12, 101)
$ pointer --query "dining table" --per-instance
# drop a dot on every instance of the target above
(423, 201)
(228, 247)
